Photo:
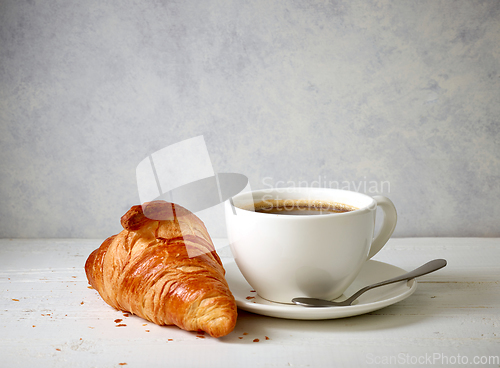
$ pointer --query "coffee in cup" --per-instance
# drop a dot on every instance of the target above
(299, 207)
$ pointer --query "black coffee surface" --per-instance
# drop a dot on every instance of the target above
(301, 207)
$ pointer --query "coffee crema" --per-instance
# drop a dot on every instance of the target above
(303, 207)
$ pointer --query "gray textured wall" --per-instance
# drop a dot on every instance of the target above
(396, 97)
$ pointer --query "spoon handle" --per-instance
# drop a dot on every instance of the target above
(429, 267)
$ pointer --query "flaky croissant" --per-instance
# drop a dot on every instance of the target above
(163, 267)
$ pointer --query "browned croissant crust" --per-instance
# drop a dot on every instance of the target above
(164, 270)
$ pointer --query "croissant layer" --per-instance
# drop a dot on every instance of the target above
(164, 268)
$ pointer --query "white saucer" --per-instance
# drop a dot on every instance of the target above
(372, 272)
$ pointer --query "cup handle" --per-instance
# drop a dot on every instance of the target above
(388, 226)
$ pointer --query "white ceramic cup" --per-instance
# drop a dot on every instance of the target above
(319, 256)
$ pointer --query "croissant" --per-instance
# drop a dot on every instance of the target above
(163, 267)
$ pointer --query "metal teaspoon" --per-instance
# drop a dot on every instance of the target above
(422, 270)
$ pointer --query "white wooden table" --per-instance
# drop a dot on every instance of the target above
(50, 318)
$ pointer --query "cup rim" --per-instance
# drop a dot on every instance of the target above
(369, 206)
